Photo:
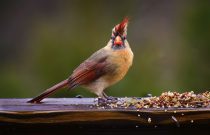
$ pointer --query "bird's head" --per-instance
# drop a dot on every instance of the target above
(119, 33)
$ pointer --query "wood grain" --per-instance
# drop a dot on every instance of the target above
(85, 110)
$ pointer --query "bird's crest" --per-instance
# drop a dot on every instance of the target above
(122, 27)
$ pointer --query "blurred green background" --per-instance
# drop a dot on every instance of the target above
(41, 42)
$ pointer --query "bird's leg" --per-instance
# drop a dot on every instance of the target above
(104, 99)
(104, 95)
(109, 97)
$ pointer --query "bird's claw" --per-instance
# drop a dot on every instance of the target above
(111, 100)
(106, 101)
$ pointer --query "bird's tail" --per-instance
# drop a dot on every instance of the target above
(49, 91)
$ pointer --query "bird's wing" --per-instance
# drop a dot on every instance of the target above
(89, 70)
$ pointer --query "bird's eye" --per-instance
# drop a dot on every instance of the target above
(123, 37)
(112, 37)
(115, 34)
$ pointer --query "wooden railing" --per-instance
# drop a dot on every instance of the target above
(56, 115)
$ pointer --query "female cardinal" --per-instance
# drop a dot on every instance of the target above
(102, 69)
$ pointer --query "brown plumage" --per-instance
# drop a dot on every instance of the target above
(102, 69)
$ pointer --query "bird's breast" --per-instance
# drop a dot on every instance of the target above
(119, 62)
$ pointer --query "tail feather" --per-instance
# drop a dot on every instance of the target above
(49, 91)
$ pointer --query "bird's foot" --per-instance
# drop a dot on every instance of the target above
(102, 101)
(112, 99)
(107, 100)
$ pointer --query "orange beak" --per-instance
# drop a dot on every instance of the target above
(118, 41)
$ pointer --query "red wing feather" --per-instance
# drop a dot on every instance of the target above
(87, 72)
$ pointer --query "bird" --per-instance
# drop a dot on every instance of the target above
(102, 69)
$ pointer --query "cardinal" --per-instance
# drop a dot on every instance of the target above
(102, 69)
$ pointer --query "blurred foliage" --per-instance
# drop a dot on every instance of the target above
(41, 42)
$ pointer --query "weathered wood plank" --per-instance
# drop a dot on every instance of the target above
(85, 110)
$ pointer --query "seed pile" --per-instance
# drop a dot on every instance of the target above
(166, 100)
